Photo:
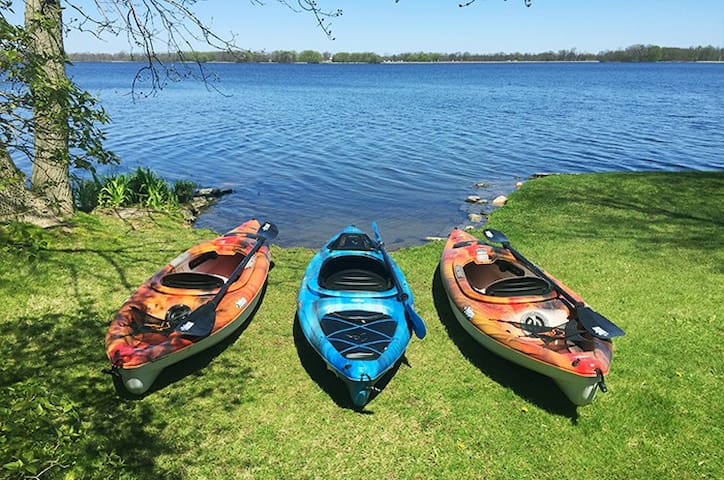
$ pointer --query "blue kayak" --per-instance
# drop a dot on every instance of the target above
(355, 309)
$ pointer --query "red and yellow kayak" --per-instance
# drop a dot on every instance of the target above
(515, 313)
(143, 338)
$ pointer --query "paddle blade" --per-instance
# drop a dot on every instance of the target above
(496, 236)
(200, 322)
(418, 324)
(598, 325)
(268, 231)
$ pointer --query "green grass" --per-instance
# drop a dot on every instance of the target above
(646, 250)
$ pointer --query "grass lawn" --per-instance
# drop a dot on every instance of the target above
(646, 250)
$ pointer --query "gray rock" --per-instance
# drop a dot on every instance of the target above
(500, 200)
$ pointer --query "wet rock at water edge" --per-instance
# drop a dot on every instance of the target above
(475, 199)
(202, 199)
(500, 200)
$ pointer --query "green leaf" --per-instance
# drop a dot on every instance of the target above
(14, 466)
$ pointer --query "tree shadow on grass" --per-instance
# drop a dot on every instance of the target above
(317, 370)
(63, 359)
(530, 385)
(680, 210)
(61, 353)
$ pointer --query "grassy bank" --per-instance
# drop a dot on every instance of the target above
(644, 249)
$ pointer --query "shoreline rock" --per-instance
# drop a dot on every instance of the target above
(201, 200)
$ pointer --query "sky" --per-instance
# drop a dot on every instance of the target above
(486, 26)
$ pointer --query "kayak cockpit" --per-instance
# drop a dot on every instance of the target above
(354, 273)
(204, 272)
(502, 279)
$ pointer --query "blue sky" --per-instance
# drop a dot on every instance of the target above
(487, 26)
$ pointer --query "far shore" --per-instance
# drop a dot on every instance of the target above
(390, 62)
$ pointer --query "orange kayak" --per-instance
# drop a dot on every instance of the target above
(146, 334)
(515, 313)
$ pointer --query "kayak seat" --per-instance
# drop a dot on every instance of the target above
(354, 273)
(204, 257)
(217, 265)
(504, 279)
(193, 280)
(518, 287)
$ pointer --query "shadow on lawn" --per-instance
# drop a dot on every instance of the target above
(679, 210)
(64, 358)
(317, 370)
(530, 385)
(62, 353)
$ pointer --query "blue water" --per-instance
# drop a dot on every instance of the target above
(316, 147)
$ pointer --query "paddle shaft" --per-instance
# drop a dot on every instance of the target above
(200, 321)
(418, 325)
(401, 294)
(598, 325)
(237, 271)
(534, 268)
(593, 322)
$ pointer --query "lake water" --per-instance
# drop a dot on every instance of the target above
(314, 148)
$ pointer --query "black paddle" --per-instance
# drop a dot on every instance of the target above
(418, 325)
(594, 323)
(200, 322)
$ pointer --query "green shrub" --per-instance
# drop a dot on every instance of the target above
(142, 182)
(159, 197)
(184, 190)
(141, 187)
(115, 192)
(85, 193)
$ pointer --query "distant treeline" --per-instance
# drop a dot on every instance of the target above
(634, 53)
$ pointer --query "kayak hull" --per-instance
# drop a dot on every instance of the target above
(349, 312)
(142, 339)
(510, 311)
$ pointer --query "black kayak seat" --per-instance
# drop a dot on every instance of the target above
(354, 273)
(192, 280)
(518, 287)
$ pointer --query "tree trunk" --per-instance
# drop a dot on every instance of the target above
(17, 203)
(51, 172)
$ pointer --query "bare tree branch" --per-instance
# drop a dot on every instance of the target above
(171, 25)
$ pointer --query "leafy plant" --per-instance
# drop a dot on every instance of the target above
(184, 190)
(141, 187)
(141, 181)
(115, 192)
(85, 193)
(159, 197)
